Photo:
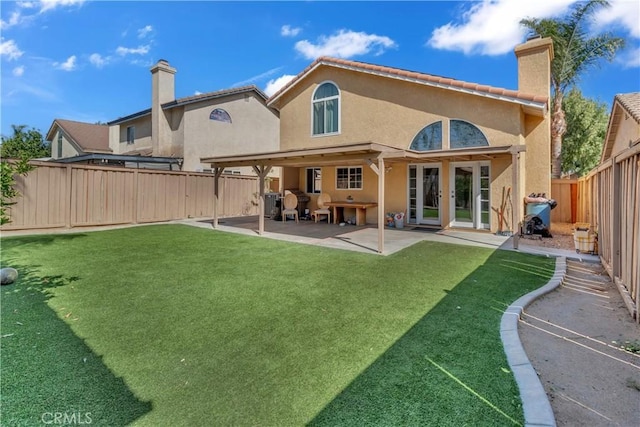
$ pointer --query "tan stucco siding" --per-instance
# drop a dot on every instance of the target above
(537, 176)
(254, 129)
(391, 112)
(68, 149)
(628, 133)
(142, 135)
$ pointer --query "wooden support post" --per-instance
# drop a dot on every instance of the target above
(381, 217)
(515, 185)
(261, 171)
(216, 193)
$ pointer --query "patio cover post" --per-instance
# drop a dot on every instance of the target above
(379, 170)
(217, 172)
(515, 184)
(261, 171)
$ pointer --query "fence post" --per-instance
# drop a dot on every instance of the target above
(614, 193)
(136, 209)
(69, 197)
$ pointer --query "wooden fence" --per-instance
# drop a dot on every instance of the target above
(609, 200)
(56, 195)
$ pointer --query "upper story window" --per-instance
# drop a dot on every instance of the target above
(349, 178)
(314, 180)
(429, 138)
(59, 144)
(326, 109)
(463, 134)
(131, 134)
(220, 115)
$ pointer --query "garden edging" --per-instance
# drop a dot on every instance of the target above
(535, 403)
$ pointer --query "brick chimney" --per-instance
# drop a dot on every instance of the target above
(162, 91)
(534, 66)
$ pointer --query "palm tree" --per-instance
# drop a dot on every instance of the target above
(574, 54)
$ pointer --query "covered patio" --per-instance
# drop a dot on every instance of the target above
(354, 238)
(378, 158)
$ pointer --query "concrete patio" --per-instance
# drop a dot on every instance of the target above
(351, 237)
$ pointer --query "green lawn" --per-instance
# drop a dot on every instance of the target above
(174, 325)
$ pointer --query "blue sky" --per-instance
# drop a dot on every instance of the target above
(89, 60)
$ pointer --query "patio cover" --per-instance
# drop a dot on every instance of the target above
(373, 154)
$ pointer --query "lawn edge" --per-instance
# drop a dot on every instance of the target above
(535, 402)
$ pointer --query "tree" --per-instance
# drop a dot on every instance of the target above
(8, 193)
(587, 122)
(574, 54)
(24, 143)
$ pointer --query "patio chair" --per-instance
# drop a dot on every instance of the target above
(290, 205)
(322, 209)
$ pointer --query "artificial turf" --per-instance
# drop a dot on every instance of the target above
(174, 325)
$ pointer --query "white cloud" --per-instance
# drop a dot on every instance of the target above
(621, 12)
(98, 60)
(492, 27)
(289, 31)
(257, 77)
(27, 4)
(18, 71)
(197, 92)
(345, 44)
(46, 5)
(144, 32)
(276, 84)
(630, 58)
(140, 50)
(68, 65)
(10, 49)
(14, 19)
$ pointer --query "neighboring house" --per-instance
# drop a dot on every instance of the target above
(447, 152)
(69, 138)
(623, 131)
(178, 132)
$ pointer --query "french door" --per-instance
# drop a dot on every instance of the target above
(425, 194)
(470, 205)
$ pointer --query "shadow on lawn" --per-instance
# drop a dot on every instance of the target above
(450, 367)
(47, 371)
(39, 239)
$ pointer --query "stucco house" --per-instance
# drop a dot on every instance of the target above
(446, 152)
(174, 132)
(623, 130)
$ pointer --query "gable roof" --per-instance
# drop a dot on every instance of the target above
(623, 103)
(195, 98)
(88, 137)
(536, 101)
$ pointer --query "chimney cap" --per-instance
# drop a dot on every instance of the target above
(163, 61)
(534, 37)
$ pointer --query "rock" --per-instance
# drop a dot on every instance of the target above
(8, 275)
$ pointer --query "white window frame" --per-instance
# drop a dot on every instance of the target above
(313, 102)
(349, 187)
(315, 190)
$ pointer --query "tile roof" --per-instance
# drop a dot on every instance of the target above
(195, 98)
(429, 79)
(631, 103)
(89, 137)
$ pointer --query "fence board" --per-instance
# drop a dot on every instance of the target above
(609, 199)
(56, 195)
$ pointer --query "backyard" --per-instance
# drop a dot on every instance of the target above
(176, 325)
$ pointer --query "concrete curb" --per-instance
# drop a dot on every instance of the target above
(535, 403)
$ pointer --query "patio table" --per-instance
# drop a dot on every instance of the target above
(360, 207)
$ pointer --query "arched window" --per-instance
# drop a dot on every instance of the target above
(429, 138)
(464, 134)
(220, 115)
(326, 109)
